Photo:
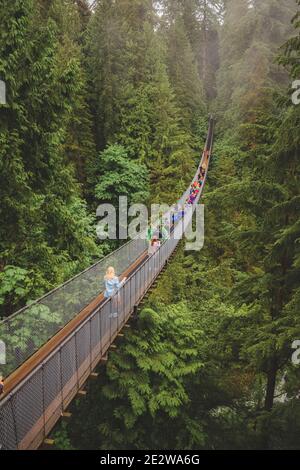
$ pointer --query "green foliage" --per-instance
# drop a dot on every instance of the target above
(15, 285)
(113, 103)
(133, 100)
(45, 225)
(200, 20)
(184, 75)
(120, 177)
(166, 355)
(159, 390)
(62, 441)
(249, 44)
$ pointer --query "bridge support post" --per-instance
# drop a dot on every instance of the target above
(94, 375)
(49, 442)
(135, 312)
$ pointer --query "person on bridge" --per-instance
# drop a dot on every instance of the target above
(203, 168)
(201, 177)
(112, 285)
(149, 233)
(176, 213)
(154, 246)
(193, 198)
(1, 385)
(167, 229)
(194, 187)
(163, 234)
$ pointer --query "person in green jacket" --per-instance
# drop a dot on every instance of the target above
(150, 232)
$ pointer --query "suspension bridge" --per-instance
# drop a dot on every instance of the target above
(54, 344)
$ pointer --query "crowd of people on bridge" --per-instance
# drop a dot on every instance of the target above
(196, 186)
(156, 236)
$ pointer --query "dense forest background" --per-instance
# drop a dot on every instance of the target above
(114, 100)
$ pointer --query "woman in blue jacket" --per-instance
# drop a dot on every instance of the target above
(112, 285)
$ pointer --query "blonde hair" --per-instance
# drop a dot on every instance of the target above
(110, 273)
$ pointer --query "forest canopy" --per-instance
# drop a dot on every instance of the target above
(107, 98)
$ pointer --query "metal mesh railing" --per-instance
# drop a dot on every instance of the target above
(27, 416)
(28, 329)
(30, 411)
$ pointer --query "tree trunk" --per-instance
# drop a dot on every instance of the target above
(271, 384)
(204, 39)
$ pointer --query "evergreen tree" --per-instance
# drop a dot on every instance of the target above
(112, 103)
(133, 96)
(263, 235)
(201, 19)
(249, 43)
(45, 225)
(118, 177)
(184, 76)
